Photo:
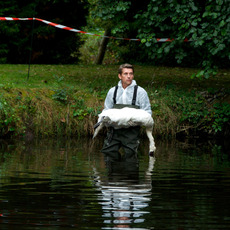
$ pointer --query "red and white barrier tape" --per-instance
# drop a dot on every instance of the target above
(79, 31)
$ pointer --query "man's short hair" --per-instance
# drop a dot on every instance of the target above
(126, 65)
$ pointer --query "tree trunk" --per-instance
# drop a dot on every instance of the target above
(102, 48)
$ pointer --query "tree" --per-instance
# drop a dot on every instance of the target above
(50, 44)
(103, 46)
(117, 17)
(205, 23)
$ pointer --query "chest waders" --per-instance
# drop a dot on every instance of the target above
(120, 106)
(127, 138)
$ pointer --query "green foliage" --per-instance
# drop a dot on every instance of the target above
(66, 99)
(8, 117)
(205, 73)
(60, 95)
(89, 50)
(66, 96)
(206, 23)
(219, 116)
(189, 111)
(50, 44)
(79, 108)
(119, 17)
(90, 47)
(109, 12)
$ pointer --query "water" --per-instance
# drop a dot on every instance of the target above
(49, 184)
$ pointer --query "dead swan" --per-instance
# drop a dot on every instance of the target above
(124, 118)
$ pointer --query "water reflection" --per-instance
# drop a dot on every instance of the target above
(50, 184)
(124, 193)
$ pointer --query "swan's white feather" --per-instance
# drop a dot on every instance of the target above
(124, 118)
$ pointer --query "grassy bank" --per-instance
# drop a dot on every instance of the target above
(65, 99)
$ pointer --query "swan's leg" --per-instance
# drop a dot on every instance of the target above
(96, 131)
(152, 146)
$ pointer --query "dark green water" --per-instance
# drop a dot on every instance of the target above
(67, 185)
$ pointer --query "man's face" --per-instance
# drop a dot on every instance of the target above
(126, 77)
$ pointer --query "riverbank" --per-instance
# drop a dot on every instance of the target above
(64, 100)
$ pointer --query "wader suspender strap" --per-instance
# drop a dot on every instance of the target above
(115, 95)
(134, 95)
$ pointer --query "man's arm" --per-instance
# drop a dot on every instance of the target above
(144, 101)
(108, 104)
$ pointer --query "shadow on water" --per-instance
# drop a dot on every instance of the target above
(50, 184)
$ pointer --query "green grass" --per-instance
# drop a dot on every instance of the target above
(41, 76)
(65, 99)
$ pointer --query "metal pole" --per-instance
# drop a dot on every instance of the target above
(31, 47)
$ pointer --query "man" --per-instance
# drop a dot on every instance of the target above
(125, 94)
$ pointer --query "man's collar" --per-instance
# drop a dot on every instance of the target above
(131, 85)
